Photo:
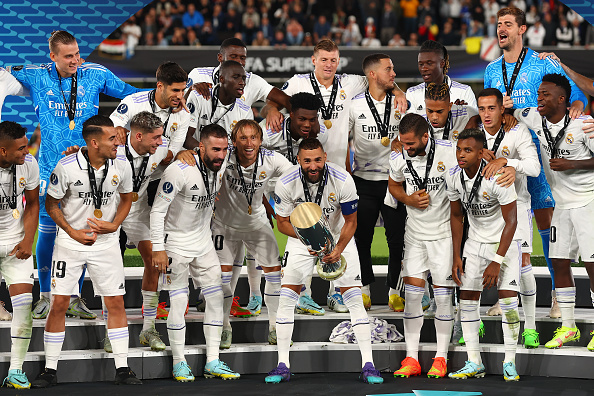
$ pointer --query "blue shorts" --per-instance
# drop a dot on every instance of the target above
(538, 187)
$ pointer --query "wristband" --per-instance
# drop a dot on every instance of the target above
(498, 259)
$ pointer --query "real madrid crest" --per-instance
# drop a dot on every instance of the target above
(486, 196)
(331, 197)
(115, 180)
(168, 280)
(232, 124)
(54, 283)
(569, 138)
(22, 182)
(154, 167)
(173, 127)
(440, 166)
(342, 94)
(397, 115)
(262, 175)
(455, 135)
(505, 151)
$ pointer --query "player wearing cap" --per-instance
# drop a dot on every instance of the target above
(417, 179)
(373, 124)
(513, 148)
(182, 246)
(434, 63)
(333, 189)
(491, 257)
(241, 218)
(567, 161)
(19, 176)
(89, 196)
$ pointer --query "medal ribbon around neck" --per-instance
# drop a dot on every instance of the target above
(509, 88)
(446, 128)
(475, 186)
(70, 105)
(422, 184)
(249, 195)
(384, 128)
(137, 179)
(96, 190)
(290, 154)
(204, 173)
(553, 143)
(321, 185)
(156, 108)
(325, 110)
(215, 100)
(498, 140)
(12, 199)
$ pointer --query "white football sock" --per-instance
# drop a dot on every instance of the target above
(150, 302)
(444, 319)
(52, 343)
(284, 323)
(254, 276)
(272, 290)
(120, 340)
(306, 289)
(359, 322)
(20, 329)
(393, 291)
(471, 321)
(566, 300)
(528, 292)
(366, 290)
(228, 297)
(236, 272)
(176, 323)
(592, 296)
(45, 294)
(413, 319)
(213, 317)
(510, 321)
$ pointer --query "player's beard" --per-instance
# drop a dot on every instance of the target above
(309, 179)
(210, 163)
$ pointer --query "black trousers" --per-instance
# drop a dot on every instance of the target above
(371, 204)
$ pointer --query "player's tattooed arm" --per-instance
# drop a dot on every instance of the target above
(456, 218)
(24, 248)
(84, 236)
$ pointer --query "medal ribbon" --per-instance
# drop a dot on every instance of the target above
(137, 179)
(249, 195)
(325, 110)
(215, 101)
(446, 128)
(204, 173)
(553, 143)
(12, 200)
(290, 153)
(422, 184)
(498, 140)
(509, 88)
(385, 127)
(70, 104)
(321, 186)
(475, 185)
(96, 192)
(156, 108)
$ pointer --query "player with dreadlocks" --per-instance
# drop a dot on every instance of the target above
(434, 63)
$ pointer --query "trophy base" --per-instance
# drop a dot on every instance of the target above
(333, 271)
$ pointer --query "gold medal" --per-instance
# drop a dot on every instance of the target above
(422, 194)
(385, 141)
(249, 209)
(134, 196)
(16, 214)
(71, 125)
(98, 213)
(328, 124)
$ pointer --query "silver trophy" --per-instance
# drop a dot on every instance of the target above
(312, 228)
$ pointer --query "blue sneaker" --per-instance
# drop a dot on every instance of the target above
(336, 303)
(426, 302)
(255, 305)
(218, 368)
(16, 379)
(279, 374)
(509, 372)
(306, 305)
(370, 375)
(470, 370)
(182, 372)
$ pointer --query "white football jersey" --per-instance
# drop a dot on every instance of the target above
(69, 182)
(433, 222)
(177, 123)
(460, 117)
(183, 209)
(140, 209)
(349, 85)
(9, 86)
(256, 88)
(571, 188)
(279, 141)
(416, 96)
(371, 157)
(201, 113)
(27, 178)
(339, 196)
(232, 206)
(484, 215)
(519, 150)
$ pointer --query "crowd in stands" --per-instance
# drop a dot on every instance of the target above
(366, 23)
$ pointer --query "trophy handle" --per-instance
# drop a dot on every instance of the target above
(331, 271)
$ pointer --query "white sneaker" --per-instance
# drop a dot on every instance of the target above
(495, 310)
(4, 314)
(555, 312)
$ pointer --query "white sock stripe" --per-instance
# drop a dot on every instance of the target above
(527, 268)
(21, 300)
(212, 290)
(414, 289)
(283, 321)
(176, 328)
(117, 335)
(53, 337)
(288, 293)
(406, 316)
(173, 293)
(444, 318)
(226, 277)
(442, 291)
(508, 307)
(351, 294)
(147, 312)
(274, 277)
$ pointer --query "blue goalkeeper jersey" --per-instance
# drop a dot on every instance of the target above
(48, 98)
(524, 93)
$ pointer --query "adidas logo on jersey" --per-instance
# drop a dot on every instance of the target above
(194, 187)
(204, 117)
(362, 117)
(50, 93)
(121, 286)
(78, 183)
(449, 277)
(592, 256)
(357, 278)
(525, 244)
(420, 107)
(513, 283)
